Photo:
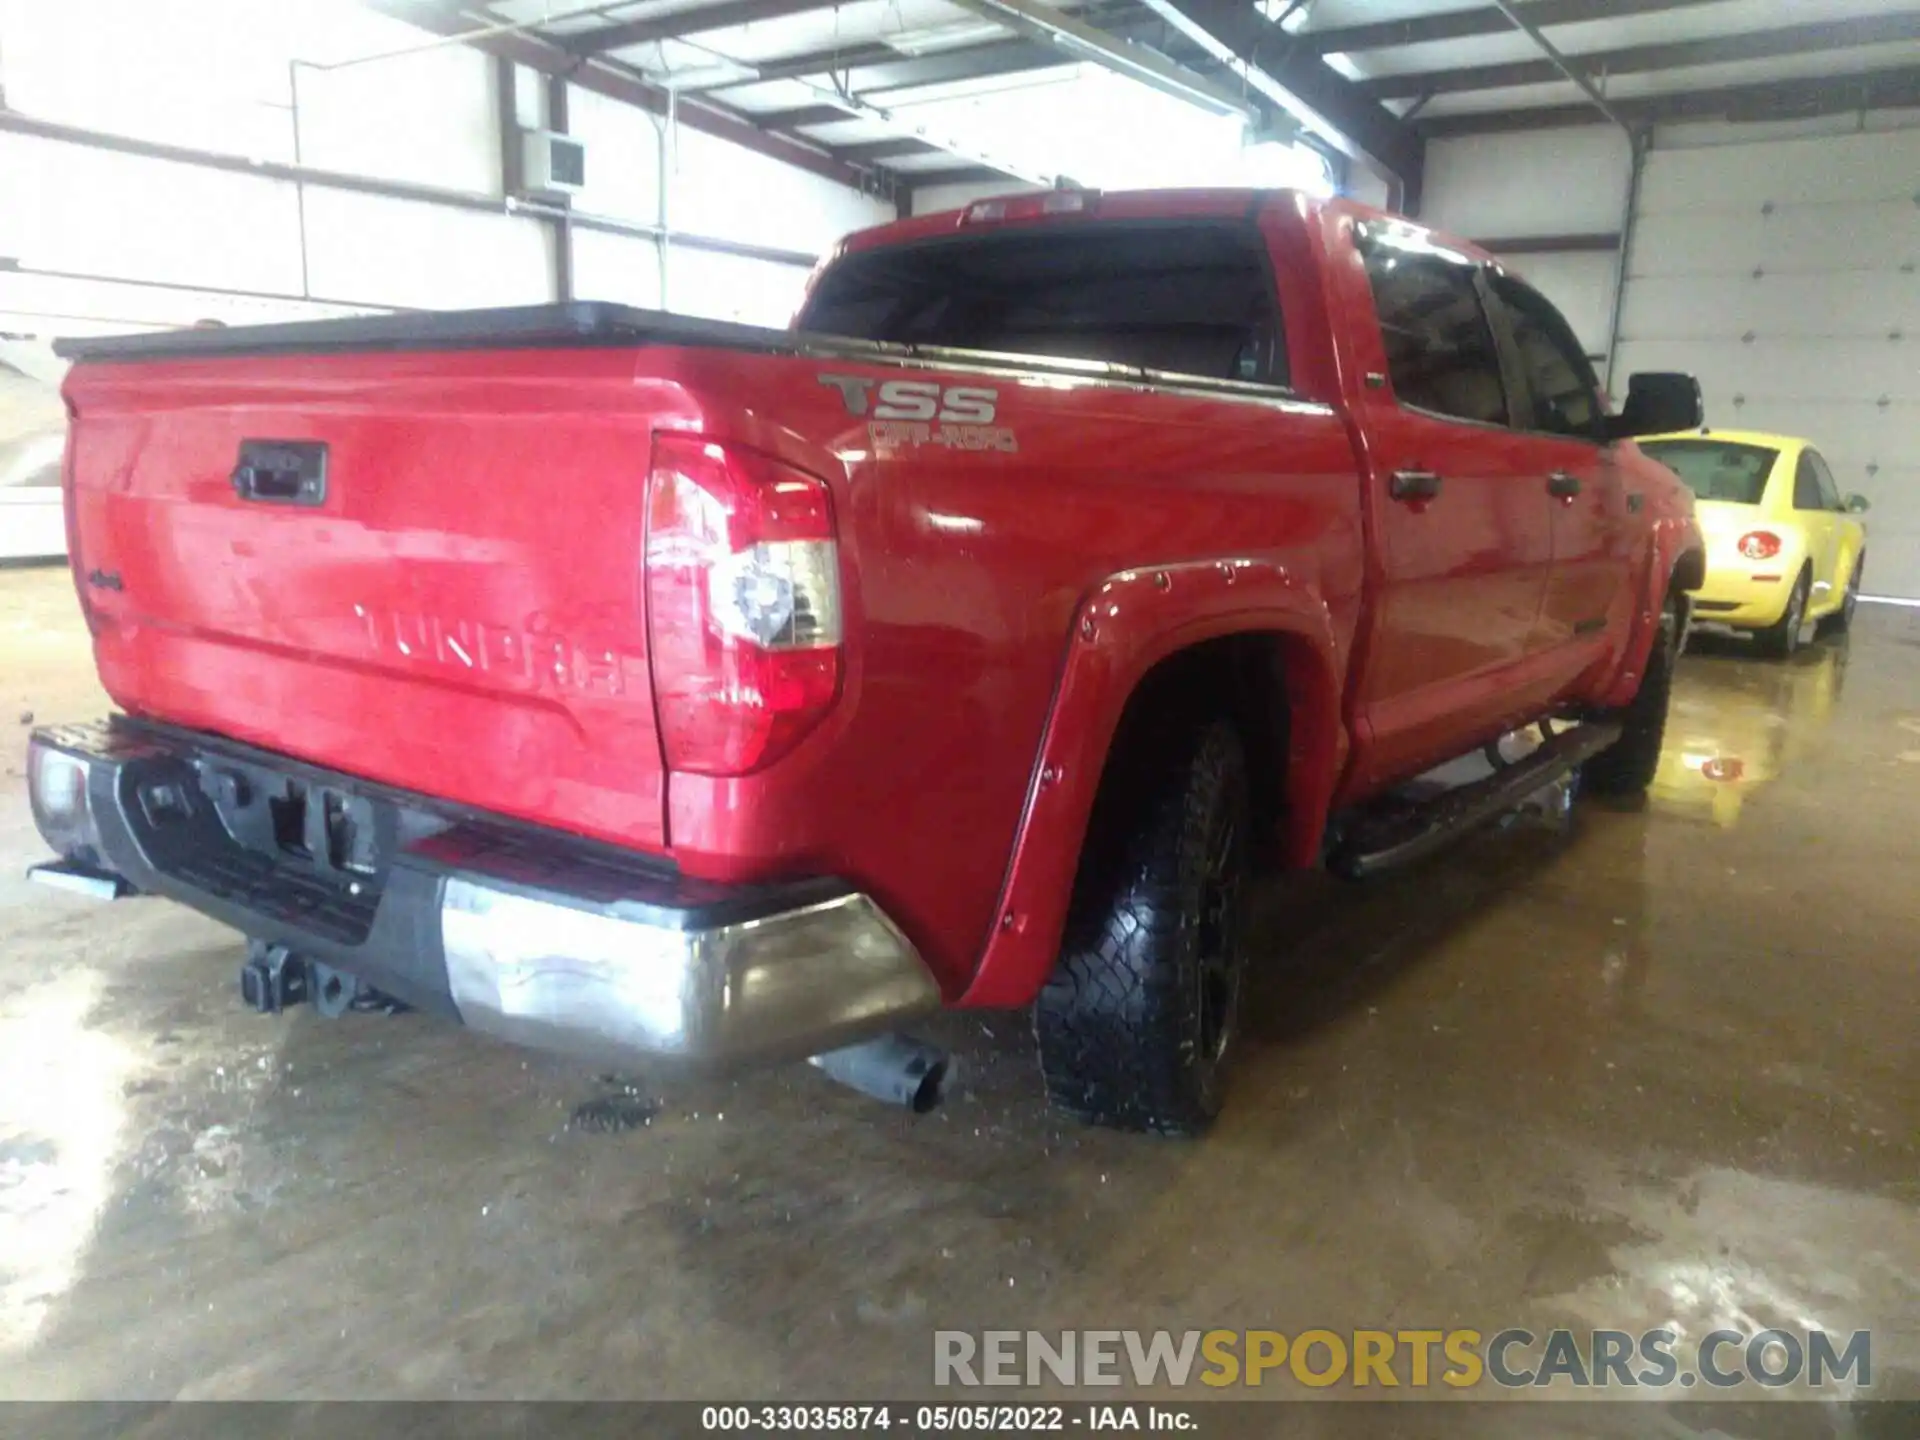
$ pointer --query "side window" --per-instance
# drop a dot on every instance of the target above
(1564, 395)
(1823, 477)
(1806, 484)
(1440, 351)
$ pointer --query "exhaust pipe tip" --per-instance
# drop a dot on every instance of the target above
(895, 1069)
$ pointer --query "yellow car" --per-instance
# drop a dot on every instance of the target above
(1784, 549)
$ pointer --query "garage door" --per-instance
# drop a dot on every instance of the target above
(1782, 273)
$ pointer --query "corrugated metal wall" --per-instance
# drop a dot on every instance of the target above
(1783, 274)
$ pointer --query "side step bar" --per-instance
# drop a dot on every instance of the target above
(82, 879)
(1387, 840)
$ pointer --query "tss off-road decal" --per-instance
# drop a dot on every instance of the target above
(906, 414)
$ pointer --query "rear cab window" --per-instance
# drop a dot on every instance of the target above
(1441, 354)
(1722, 470)
(1189, 297)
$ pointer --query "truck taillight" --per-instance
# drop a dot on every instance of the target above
(743, 604)
(1759, 545)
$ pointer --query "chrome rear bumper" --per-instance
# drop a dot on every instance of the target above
(792, 983)
(539, 938)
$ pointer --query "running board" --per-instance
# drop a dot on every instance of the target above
(79, 878)
(1385, 841)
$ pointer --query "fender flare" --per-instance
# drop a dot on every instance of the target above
(1673, 541)
(1130, 623)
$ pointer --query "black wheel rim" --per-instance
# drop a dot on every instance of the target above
(1217, 941)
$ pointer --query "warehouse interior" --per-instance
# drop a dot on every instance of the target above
(1657, 1070)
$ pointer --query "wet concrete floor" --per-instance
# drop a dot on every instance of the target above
(1659, 1071)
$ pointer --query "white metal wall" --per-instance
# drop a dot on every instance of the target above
(1782, 273)
(105, 240)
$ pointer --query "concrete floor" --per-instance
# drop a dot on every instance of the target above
(1662, 1071)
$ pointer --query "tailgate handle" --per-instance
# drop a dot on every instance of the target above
(283, 472)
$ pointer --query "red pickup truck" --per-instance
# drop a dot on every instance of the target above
(635, 685)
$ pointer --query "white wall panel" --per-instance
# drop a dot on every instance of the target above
(79, 209)
(402, 252)
(216, 75)
(1777, 370)
(623, 157)
(205, 73)
(1823, 305)
(1690, 134)
(1880, 235)
(378, 99)
(1548, 182)
(1844, 168)
(621, 268)
(1782, 273)
(61, 305)
(723, 190)
(429, 119)
(731, 287)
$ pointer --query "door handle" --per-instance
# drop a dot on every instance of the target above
(1413, 485)
(1563, 485)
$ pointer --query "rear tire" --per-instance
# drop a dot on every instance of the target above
(1782, 638)
(1841, 621)
(1138, 1023)
(1627, 766)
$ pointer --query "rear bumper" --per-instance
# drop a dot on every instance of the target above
(540, 938)
(1733, 597)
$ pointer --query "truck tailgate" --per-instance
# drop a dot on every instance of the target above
(423, 567)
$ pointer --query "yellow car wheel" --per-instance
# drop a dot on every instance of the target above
(1782, 638)
(1841, 621)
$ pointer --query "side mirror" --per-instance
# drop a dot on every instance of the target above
(1659, 402)
(1858, 505)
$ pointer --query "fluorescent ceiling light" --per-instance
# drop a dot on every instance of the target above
(934, 38)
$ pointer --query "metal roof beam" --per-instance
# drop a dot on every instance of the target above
(1300, 83)
(1764, 100)
(885, 149)
(1666, 55)
(962, 175)
(1077, 40)
(803, 115)
(1003, 57)
(695, 21)
(1561, 64)
(1467, 24)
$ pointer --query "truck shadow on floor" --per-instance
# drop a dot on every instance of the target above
(1320, 947)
